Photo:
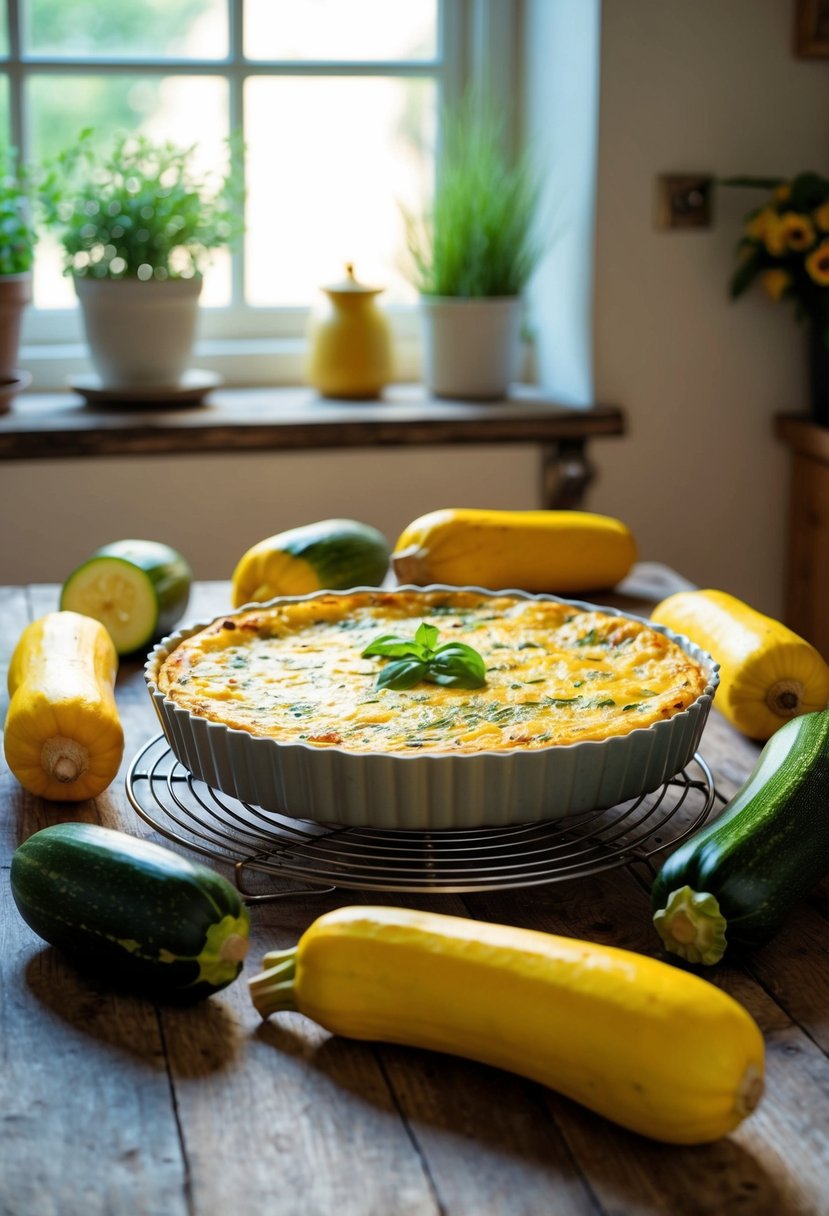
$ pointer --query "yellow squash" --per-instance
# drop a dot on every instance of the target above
(63, 738)
(767, 673)
(656, 1049)
(553, 551)
(331, 554)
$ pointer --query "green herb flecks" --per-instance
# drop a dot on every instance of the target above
(452, 664)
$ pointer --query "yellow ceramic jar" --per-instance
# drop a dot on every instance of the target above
(350, 349)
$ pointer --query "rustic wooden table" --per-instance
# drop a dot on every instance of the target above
(111, 1105)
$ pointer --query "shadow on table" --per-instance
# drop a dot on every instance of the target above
(482, 1107)
(201, 1039)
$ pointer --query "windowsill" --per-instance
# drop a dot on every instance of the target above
(42, 426)
(241, 362)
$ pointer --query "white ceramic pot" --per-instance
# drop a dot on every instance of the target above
(139, 333)
(471, 348)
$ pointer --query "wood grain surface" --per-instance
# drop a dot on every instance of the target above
(112, 1105)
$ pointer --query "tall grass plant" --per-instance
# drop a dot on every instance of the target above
(478, 239)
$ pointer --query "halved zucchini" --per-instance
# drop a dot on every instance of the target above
(137, 589)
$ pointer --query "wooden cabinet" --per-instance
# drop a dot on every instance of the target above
(807, 563)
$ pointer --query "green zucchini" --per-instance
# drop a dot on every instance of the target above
(138, 589)
(732, 884)
(161, 925)
(330, 555)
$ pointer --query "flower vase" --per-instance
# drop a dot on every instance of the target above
(819, 372)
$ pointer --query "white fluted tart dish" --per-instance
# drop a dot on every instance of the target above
(574, 707)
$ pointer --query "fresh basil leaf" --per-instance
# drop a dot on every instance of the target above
(454, 671)
(459, 652)
(390, 646)
(405, 673)
(426, 635)
(453, 665)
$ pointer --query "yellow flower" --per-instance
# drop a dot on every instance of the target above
(817, 264)
(775, 283)
(798, 231)
(821, 217)
(757, 226)
(781, 193)
(774, 236)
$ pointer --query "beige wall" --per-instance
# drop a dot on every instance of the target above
(212, 508)
(709, 85)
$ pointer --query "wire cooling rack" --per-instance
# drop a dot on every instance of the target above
(327, 856)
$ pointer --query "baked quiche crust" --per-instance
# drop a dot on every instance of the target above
(557, 673)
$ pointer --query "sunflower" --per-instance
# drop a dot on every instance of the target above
(774, 236)
(797, 230)
(821, 217)
(817, 264)
(776, 283)
(782, 193)
(757, 226)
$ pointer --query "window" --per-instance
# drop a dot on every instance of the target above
(337, 103)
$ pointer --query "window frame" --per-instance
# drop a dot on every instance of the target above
(477, 41)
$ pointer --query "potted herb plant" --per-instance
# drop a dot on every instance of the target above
(474, 251)
(137, 225)
(17, 243)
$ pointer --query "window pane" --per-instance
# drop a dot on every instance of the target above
(329, 162)
(159, 29)
(189, 110)
(341, 29)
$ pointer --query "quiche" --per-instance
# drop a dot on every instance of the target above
(556, 673)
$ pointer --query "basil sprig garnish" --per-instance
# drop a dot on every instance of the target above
(453, 665)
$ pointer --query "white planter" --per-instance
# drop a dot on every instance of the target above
(471, 348)
(139, 333)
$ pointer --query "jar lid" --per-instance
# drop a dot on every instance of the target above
(351, 286)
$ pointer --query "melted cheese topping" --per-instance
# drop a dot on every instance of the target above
(555, 674)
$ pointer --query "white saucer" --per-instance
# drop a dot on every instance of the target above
(191, 389)
(11, 385)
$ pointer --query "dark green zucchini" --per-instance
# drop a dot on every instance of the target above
(165, 927)
(138, 589)
(732, 884)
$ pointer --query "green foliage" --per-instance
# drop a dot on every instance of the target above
(17, 230)
(478, 238)
(60, 105)
(139, 210)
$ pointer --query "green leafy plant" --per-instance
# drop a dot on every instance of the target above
(785, 244)
(17, 227)
(453, 664)
(478, 237)
(138, 210)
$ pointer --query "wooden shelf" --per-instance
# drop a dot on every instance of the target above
(45, 426)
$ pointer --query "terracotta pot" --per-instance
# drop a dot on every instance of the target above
(15, 294)
(471, 348)
(139, 333)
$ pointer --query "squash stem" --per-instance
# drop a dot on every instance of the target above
(692, 926)
(63, 759)
(272, 991)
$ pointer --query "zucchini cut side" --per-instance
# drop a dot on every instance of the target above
(119, 595)
(137, 589)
